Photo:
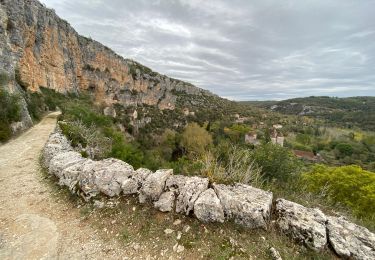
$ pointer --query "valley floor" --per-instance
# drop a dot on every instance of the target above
(35, 224)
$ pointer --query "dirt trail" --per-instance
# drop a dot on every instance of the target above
(33, 223)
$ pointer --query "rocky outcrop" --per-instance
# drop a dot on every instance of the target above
(246, 205)
(350, 240)
(38, 49)
(305, 225)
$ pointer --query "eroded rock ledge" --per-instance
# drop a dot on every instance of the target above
(246, 205)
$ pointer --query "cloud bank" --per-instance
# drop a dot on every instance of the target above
(239, 49)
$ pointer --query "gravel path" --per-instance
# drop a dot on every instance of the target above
(34, 224)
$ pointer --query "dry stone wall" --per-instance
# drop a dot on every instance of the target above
(246, 205)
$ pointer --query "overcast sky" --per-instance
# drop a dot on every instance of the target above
(240, 49)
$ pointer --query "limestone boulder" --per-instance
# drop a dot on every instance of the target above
(154, 185)
(207, 207)
(246, 205)
(166, 201)
(64, 160)
(105, 176)
(350, 240)
(141, 175)
(129, 186)
(69, 176)
(175, 183)
(305, 225)
(189, 193)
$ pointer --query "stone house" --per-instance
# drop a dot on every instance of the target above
(251, 138)
(277, 138)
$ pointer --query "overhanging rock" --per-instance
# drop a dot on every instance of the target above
(248, 206)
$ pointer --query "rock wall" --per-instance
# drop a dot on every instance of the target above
(246, 205)
(38, 49)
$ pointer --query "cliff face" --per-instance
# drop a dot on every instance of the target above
(38, 49)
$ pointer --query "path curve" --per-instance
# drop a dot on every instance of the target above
(33, 223)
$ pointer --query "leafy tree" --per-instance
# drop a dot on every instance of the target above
(344, 149)
(195, 139)
(275, 161)
(236, 132)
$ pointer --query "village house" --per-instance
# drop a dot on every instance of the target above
(239, 119)
(277, 138)
(277, 126)
(251, 138)
(187, 112)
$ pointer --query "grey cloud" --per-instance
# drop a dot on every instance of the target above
(240, 49)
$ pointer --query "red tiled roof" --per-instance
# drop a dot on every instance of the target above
(305, 155)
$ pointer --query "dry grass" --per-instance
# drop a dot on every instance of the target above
(239, 168)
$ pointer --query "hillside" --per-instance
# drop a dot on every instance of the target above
(344, 112)
(39, 49)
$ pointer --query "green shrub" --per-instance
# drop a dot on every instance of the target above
(122, 150)
(77, 110)
(10, 111)
(95, 144)
(35, 105)
(275, 161)
(52, 99)
(5, 132)
(73, 133)
(4, 79)
(185, 166)
(348, 185)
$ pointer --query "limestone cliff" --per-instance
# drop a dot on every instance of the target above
(38, 49)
